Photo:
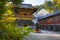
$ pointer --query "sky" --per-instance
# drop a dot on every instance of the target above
(34, 2)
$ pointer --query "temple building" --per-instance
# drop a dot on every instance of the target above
(24, 14)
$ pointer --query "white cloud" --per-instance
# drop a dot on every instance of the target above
(34, 2)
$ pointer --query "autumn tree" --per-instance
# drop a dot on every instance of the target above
(41, 7)
(8, 28)
(56, 4)
(48, 6)
(52, 6)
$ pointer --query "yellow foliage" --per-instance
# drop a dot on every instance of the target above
(9, 12)
(58, 4)
(8, 19)
(54, 1)
(11, 18)
(50, 11)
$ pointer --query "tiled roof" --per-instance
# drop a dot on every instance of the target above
(26, 5)
(49, 15)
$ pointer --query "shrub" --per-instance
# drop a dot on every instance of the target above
(13, 33)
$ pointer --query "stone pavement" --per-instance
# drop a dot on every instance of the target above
(42, 36)
(49, 32)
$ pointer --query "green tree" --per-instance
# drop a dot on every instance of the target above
(48, 6)
(8, 29)
(41, 7)
(36, 6)
(56, 4)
